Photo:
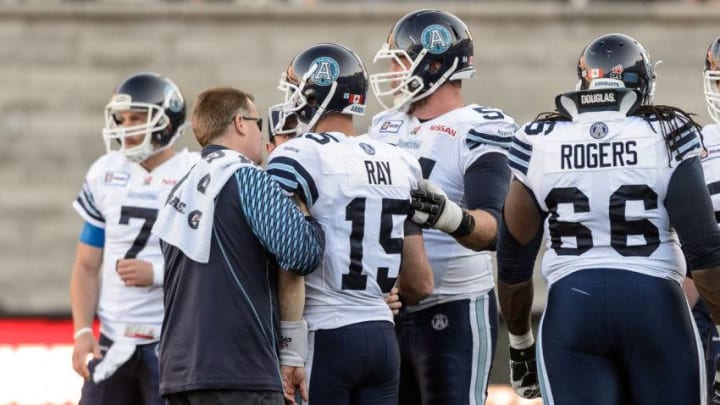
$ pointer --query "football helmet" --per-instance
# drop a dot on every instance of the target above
(712, 79)
(429, 47)
(325, 78)
(617, 61)
(155, 95)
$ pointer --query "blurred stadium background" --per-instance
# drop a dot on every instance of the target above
(62, 59)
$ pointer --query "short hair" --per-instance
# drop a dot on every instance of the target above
(215, 109)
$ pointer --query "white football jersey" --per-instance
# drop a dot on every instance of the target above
(711, 165)
(603, 179)
(359, 191)
(446, 147)
(123, 198)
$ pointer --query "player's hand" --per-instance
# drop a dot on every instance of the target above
(523, 372)
(293, 379)
(300, 204)
(715, 400)
(84, 344)
(134, 272)
(431, 208)
(393, 300)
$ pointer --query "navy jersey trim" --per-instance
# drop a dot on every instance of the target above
(475, 139)
(292, 176)
(684, 140)
(519, 156)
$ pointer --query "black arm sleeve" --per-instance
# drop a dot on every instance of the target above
(515, 261)
(691, 214)
(487, 182)
(411, 228)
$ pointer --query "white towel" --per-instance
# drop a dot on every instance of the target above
(186, 220)
(116, 356)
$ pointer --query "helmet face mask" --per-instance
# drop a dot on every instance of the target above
(401, 84)
(430, 47)
(711, 76)
(325, 78)
(617, 61)
(164, 108)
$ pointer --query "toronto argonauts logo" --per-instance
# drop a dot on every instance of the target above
(436, 39)
(440, 322)
(173, 98)
(326, 71)
(598, 130)
(367, 148)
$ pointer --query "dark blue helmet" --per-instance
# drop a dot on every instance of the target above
(617, 61)
(325, 78)
(428, 48)
(155, 95)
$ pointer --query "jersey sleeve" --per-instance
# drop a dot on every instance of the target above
(684, 140)
(493, 134)
(88, 203)
(295, 166)
(519, 155)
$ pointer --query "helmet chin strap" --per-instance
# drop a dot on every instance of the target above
(310, 126)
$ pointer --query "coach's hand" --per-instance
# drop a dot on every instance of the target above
(523, 372)
(293, 379)
(84, 344)
(431, 208)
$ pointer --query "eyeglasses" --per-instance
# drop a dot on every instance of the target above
(258, 120)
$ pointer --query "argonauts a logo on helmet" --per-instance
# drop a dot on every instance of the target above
(173, 98)
(326, 71)
(436, 39)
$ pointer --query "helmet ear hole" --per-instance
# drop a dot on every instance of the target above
(435, 66)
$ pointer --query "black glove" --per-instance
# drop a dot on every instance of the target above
(431, 208)
(523, 372)
(715, 400)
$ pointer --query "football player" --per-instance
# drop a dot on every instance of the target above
(607, 178)
(711, 168)
(447, 340)
(359, 191)
(118, 269)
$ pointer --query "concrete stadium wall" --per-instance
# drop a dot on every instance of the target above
(59, 65)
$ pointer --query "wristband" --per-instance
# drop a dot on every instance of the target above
(521, 341)
(81, 332)
(467, 224)
(293, 343)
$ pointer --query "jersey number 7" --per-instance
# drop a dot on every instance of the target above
(149, 215)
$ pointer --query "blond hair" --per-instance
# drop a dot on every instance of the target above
(215, 109)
